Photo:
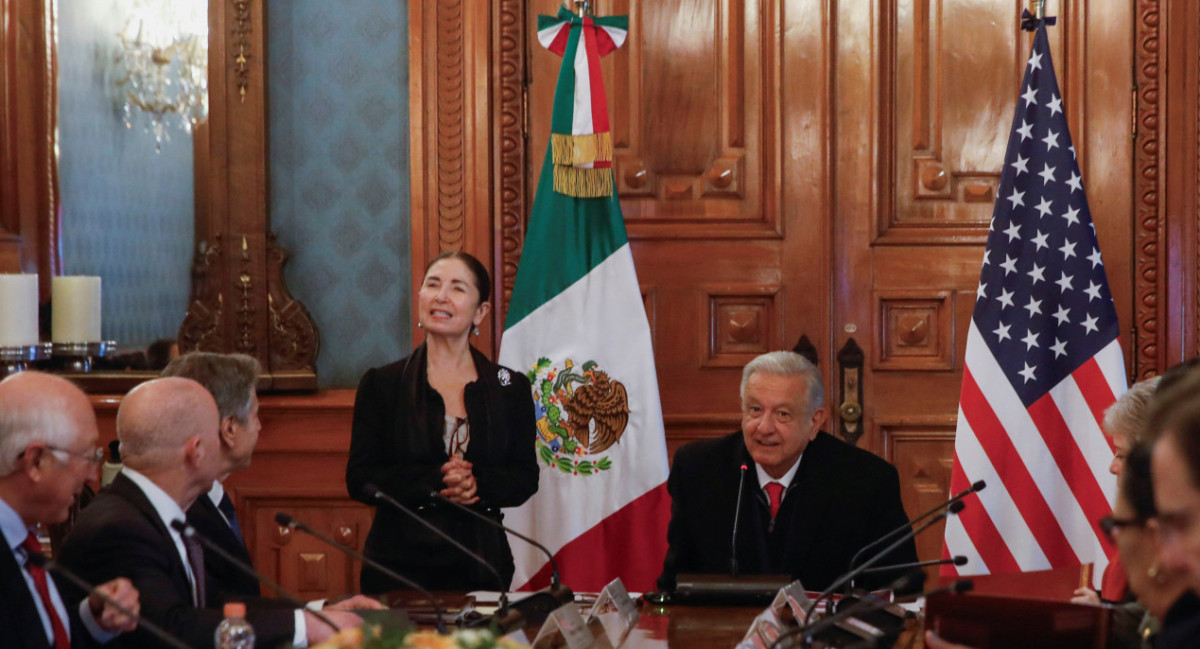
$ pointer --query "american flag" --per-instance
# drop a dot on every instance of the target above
(1042, 361)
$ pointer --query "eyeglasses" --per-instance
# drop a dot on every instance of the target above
(92, 457)
(1110, 524)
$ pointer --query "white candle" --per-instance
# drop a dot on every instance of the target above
(18, 310)
(75, 309)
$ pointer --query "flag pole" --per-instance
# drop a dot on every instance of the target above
(581, 7)
(1039, 8)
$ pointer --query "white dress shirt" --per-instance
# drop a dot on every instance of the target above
(786, 480)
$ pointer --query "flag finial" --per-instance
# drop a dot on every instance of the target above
(581, 7)
(1039, 9)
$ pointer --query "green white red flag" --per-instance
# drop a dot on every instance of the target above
(577, 326)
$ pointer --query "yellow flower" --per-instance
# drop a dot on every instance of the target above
(428, 640)
(345, 639)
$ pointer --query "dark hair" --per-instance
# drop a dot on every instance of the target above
(1136, 487)
(483, 281)
(230, 378)
(1176, 414)
(158, 354)
(1175, 374)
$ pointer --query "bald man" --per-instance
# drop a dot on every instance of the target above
(48, 448)
(169, 442)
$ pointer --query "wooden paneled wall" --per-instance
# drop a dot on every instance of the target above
(786, 167)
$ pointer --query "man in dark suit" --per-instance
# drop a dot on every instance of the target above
(168, 432)
(48, 448)
(809, 501)
(230, 379)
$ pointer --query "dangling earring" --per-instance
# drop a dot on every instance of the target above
(1155, 573)
(420, 325)
(475, 330)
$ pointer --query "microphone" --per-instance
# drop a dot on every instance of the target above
(536, 607)
(188, 531)
(958, 586)
(155, 630)
(954, 508)
(289, 522)
(374, 492)
(869, 603)
(958, 560)
(554, 576)
(737, 512)
(976, 487)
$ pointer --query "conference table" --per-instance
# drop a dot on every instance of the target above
(658, 627)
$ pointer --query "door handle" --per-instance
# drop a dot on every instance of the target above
(850, 409)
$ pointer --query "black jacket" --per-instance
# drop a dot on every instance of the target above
(223, 581)
(397, 445)
(120, 535)
(841, 499)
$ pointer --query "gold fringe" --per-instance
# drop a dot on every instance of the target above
(581, 149)
(583, 182)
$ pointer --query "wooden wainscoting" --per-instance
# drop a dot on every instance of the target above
(299, 468)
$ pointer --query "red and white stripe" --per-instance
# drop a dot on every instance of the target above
(590, 106)
(1046, 467)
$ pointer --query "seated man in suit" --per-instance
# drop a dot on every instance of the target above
(809, 501)
(169, 441)
(48, 448)
(231, 380)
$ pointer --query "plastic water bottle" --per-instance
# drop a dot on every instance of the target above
(234, 632)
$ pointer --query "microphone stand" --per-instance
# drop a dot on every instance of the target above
(189, 531)
(870, 602)
(976, 487)
(958, 560)
(953, 509)
(737, 513)
(538, 605)
(374, 492)
(155, 630)
(287, 521)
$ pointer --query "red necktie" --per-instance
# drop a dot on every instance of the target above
(61, 639)
(775, 493)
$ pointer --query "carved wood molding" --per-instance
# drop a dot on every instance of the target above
(510, 100)
(239, 300)
(450, 124)
(1148, 224)
(466, 68)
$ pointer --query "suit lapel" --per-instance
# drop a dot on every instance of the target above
(810, 513)
(19, 608)
(127, 489)
(211, 523)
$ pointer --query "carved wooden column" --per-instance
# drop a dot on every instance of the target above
(239, 300)
(1166, 192)
(467, 67)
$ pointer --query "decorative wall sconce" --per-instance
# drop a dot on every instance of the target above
(162, 66)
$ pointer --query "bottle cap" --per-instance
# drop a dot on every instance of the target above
(235, 609)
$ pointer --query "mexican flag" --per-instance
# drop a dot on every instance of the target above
(577, 327)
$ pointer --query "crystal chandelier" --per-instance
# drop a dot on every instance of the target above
(162, 66)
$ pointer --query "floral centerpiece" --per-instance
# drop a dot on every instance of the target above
(375, 636)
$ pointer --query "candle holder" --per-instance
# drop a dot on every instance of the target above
(16, 358)
(78, 357)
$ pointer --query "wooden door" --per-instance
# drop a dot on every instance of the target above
(799, 167)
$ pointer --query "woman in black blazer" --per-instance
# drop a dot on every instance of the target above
(443, 420)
